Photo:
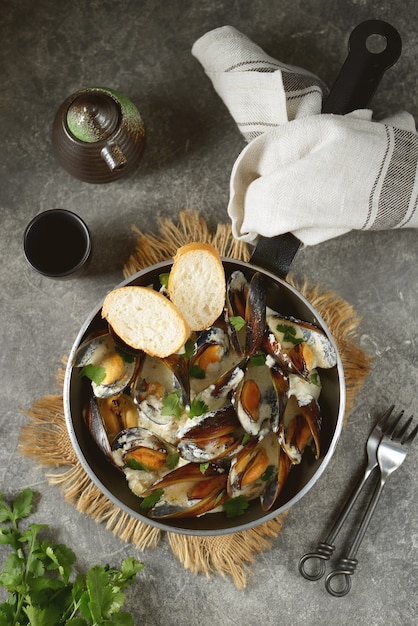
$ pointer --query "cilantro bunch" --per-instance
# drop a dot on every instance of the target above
(42, 587)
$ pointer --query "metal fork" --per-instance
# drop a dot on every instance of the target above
(391, 453)
(312, 565)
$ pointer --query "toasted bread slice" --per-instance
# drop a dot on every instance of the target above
(196, 284)
(145, 320)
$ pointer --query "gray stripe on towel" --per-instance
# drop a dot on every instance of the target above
(398, 184)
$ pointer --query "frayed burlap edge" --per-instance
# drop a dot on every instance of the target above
(46, 439)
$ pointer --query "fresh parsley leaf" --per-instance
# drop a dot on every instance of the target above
(289, 333)
(136, 465)
(196, 371)
(163, 278)
(235, 506)
(37, 576)
(189, 349)
(152, 499)
(219, 496)
(314, 379)
(203, 467)
(95, 373)
(197, 407)
(126, 356)
(237, 322)
(172, 405)
(257, 360)
(172, 460)
(268, 473)
(22, 506)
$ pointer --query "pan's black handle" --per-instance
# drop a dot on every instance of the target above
(373, 47)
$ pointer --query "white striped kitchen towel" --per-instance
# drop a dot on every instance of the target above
(317, 176)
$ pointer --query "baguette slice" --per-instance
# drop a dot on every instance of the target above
(145, 320)
(196, 284)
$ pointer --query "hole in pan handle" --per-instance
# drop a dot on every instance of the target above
(373, 47)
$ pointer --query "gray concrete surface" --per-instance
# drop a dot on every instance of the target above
(142, 48)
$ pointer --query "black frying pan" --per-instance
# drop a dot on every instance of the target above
(355, 85)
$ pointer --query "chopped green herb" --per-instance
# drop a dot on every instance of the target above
(172, 460)
(95, 373)
(314, 379)
(152, 499)
(257, 360)
(196, 371)
(219, 496)
(237, 322)
(268, 473)
(136, 465)
(289, 333)
(172, 405)
(246, 438)
(42, 588)
(203, 467)
(126, 356)
(163, 278)
(235, 506)
(197, 407)
(189, 349)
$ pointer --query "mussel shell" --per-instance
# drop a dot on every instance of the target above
(320, 350)
(100, 349)
(255, 314)
(260, 407)
(215, 435)
(169, 375)
(254, 468)
(202, 491)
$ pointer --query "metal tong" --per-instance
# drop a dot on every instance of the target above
(386, 447)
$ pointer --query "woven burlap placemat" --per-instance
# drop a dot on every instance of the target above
(45, 438)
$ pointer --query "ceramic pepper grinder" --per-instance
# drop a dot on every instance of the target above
(98, 135)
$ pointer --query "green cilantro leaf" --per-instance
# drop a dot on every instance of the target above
(196, 371)
(197, 407)
(189, 349)
(203, 467)
(237, 322)
(136, 465)
(172, 460)
(22, 506)
(172, 405)
(163, 278)
(257, 360)
(152, 499)
(95, 373)
(235, 506)
(289, 333)
(37, 577)
(314, 379)
(268, 473)
(126, 356)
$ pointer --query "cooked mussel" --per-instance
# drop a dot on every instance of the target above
(211, 349)
(109, 368)
(140, 449)
(245, 312)
(301, 423)
(261, 396)
(107, 417)
(155, 380)
(189, 491)
(298, 346)
(214, 435)
(259, 471)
